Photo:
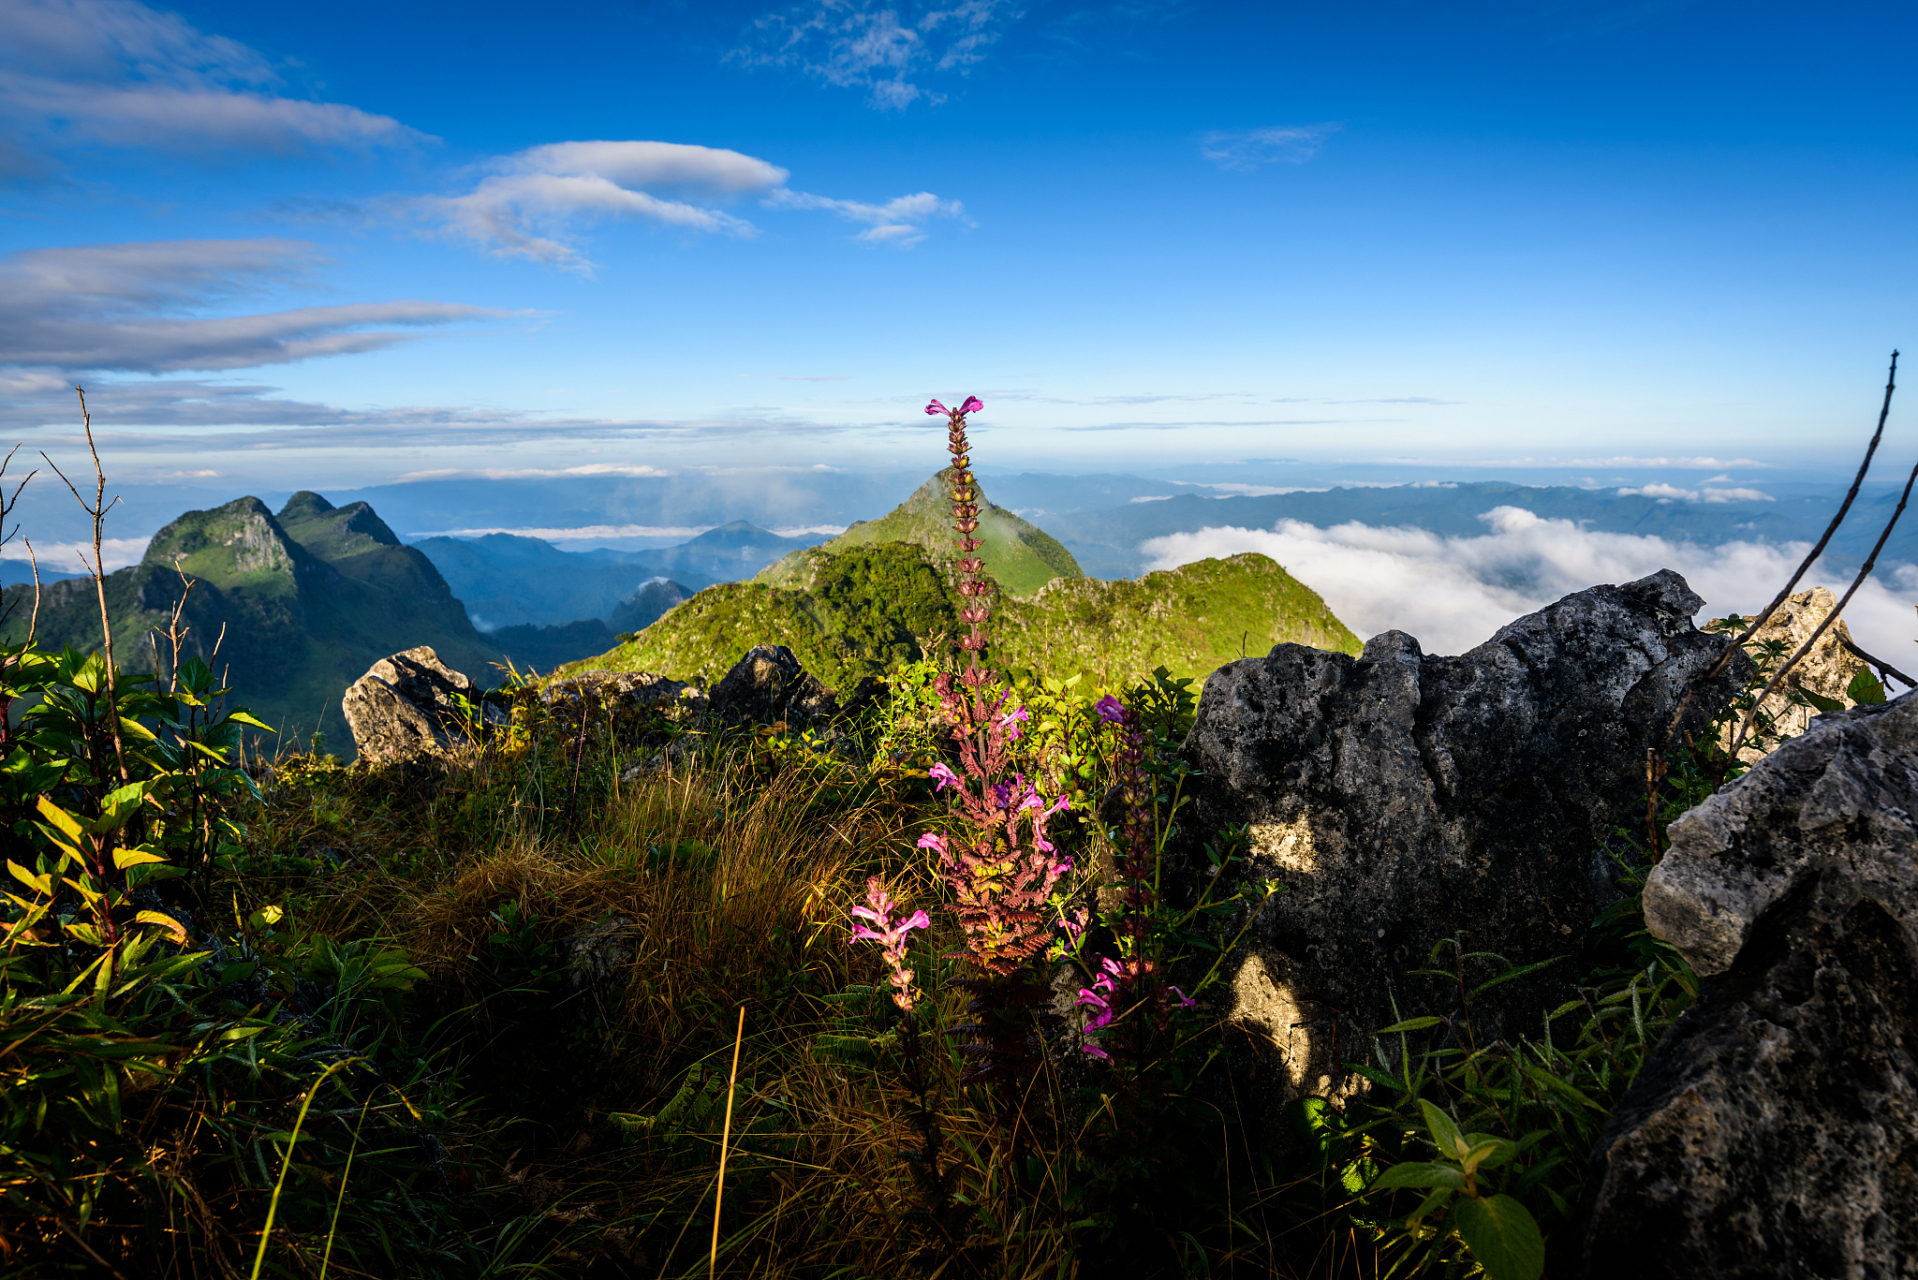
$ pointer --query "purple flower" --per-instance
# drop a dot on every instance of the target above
(942, 776)
(891, 937)
(1010, 722)
(1183, 1002)
(936, 407)
(973, 404)
(1111, 710)
(1098, 998)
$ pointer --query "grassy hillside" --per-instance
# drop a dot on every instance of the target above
(1191, 620)
(307, 601)
(1021, 556)
(867, 608)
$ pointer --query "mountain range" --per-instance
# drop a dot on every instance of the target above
(291, 607)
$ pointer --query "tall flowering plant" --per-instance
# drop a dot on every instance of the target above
(1000, 867)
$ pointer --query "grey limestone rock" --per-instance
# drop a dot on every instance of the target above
(402, 710)
(1774, 1131)
(1404, 799)
(768, 685)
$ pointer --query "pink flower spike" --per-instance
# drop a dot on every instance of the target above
(936, 407)
(920, 920)
(973, 404)
(942, 776)
(933, 840)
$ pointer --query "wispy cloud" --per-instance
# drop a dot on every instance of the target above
(885, 48)
(533, 198)
(638, 470)
(1249, 148)
(532, 203)
(1619, 462)
(1454, 592)
(1672, 493)
(899, 222)
(118, 307)
(118, 73)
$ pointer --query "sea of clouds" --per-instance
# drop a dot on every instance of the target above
(1454, 592)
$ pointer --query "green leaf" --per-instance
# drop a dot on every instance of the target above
(1864, 689)
(1502, 1237)
(1377, 1077)
(240, 715)
(1820, 701)
(1420, 1173)
(1410, 1024)
(1444, 1133)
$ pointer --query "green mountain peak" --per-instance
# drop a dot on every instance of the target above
(239, 546)
(1020, 556)
(304, 505)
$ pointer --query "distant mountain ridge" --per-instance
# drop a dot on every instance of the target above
(509, 580)
(307, 600)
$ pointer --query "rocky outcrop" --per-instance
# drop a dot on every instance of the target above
(1825, 673)
(1774, 1131)
(1403, 800)
(402, 709)
(768, 686)
(635, 709)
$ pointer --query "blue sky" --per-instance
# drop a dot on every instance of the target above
(339, 245)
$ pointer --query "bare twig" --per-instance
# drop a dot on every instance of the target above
(1724, 659)
(1884, 667)
(98, 511)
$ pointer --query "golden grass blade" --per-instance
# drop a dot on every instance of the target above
(725, 1139)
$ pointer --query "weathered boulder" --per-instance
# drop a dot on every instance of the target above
(768, 686)
(402, 709)
(1774, 1131)
(1404, 799)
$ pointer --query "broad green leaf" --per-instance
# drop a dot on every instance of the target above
(1865, 689)
(68, 825)
(86, 934)
(1503, 1237)
(1487, 1152)
(1445, 1134)
(165, 922)
(1410, 1024)
(136, 857)
(1419, 1173)
(39, 884)
(240, 715)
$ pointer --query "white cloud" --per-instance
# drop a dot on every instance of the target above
(532, 201)
(77, 557)
(122, 74)
(117, 306)
(1672, 493)
(883, 46)
(1622, 462)
(899, 222)
(593, 532)
(1249, 148)
(525, 207)
(1454, 592)
(638, 470)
